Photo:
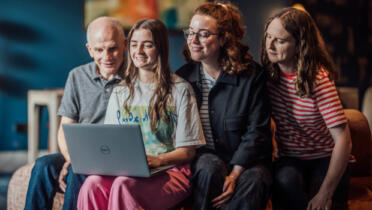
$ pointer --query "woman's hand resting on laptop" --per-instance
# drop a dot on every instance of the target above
(62, 174)
(154, 161)
(178, 156)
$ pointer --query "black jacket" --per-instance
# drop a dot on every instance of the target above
(239, 114)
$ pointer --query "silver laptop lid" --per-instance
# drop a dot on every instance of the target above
(102, 149)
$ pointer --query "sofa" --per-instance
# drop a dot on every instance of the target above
(360, 196)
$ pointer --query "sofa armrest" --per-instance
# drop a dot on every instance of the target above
(17, 189)
(362, 144)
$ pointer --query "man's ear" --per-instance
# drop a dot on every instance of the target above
(90, 50)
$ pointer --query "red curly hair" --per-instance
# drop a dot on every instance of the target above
(234, 54)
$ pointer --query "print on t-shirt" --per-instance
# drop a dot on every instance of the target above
(157, 142)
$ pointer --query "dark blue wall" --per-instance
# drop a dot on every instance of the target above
(41, 41)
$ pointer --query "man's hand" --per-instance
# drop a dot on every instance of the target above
(319, 202)
(62, 174)
(227, 192)
(154, 161)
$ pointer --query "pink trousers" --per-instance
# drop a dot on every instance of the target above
(161, 191)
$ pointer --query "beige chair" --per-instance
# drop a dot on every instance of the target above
(17, 190)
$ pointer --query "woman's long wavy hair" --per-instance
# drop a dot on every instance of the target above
(163, 82)
(234, 54)
(312, 54)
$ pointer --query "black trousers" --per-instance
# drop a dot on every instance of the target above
(252, 188)
(297, 181)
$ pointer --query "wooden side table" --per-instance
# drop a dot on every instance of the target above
(35, 100)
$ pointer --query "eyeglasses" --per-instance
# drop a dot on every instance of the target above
(202, 35)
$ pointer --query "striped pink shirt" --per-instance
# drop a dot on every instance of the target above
(302, 123)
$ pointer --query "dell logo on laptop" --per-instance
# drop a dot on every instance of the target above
(105, 149)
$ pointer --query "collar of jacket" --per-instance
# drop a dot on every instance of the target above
(222, 78)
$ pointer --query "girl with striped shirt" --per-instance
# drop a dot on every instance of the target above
(312, 135)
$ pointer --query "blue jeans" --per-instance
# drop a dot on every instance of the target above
(44, 184)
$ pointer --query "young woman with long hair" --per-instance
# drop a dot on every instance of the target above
(312, 134)
(165, 107)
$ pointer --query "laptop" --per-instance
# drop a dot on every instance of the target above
(102, 149)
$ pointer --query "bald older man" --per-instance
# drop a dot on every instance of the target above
(85, 98)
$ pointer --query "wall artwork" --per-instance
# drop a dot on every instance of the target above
(175, 14)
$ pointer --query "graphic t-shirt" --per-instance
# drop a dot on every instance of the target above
(184, 127)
